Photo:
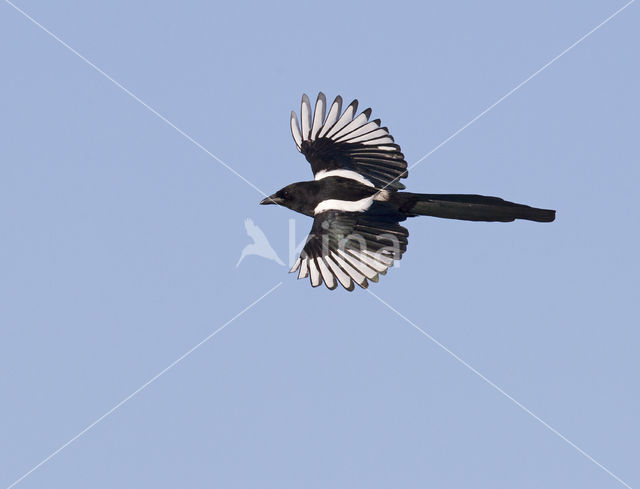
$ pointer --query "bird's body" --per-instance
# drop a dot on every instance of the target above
(331, 192)
(356, 199)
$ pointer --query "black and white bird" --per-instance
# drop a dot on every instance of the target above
(355, 198)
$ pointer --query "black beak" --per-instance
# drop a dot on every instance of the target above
(273, 199)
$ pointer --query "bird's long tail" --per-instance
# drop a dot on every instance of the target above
(470, 208)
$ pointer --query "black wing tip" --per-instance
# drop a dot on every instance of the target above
(335, 285)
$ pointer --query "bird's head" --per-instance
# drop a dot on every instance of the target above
(294, 197)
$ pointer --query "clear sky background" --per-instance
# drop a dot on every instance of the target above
(120, 239)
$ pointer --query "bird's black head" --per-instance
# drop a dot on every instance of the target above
(296, 197)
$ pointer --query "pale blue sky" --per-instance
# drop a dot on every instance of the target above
(120, 239)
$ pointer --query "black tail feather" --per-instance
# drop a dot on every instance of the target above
(470, 208)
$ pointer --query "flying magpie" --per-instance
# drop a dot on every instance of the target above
(355, 197)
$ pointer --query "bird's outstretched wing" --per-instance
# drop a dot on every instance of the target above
(351, 248)
(343, 144)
